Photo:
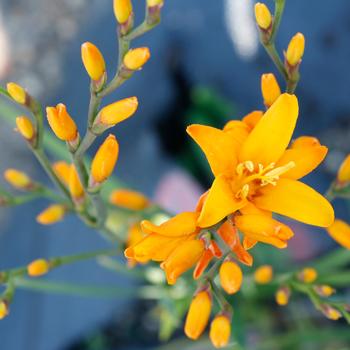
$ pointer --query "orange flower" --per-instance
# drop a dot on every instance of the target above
(308, 275)
(255, 173)
(129, 199)
(75, 187)
(18, 179)
(231, 277)
(220, 331)
(122, 10)
(136, 58)
(93, 61)
(295, 50)
(135, 235)
(340, 232)
(263, 274)
(269, 89)
(262, 15)
(38, 267)
(17, 93)
(51, 214)
(62, 170)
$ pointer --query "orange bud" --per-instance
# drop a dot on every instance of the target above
(324, 290)
(17, 93)
(136, 58)
(18, 179)
(51, 214)
(118, 111)
(344, 171)
(263, 274)
(231, 277)
(330, 312)
(203, 263)
(198, 315)
(262, 15)
(4, 309)
(220, 331)
(25, 127)
(270, 89)
(308, 275)
(151, 3)
(75, 187)
(340, 232)
(105, 159)
(62, 170)
(93, 61)
(38, 267)
(122, 10)
(129, 199)
(62, 123)
(282, 296)
(295, 49)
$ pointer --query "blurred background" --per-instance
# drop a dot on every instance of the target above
(206, 66)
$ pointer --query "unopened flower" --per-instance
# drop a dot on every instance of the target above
(62, 123)
(330, 312)
(17, 93)
(282, 296)
(324, 290)
(198, 315)
(105, 159)
(295, 50)
(4, 309)
(151, 3)
(340, 232)
(263, 274)
(136, 58)
(269, 89)
(75, 187)
(129, 199)
(62, 170)
(122, 10)
(18, 179)
(38, 267)
(262, 16)
(231, 277)
(344, 171)
(51, 215)
(220, 331)
(93, 60)
(25, 127)
(307, 275)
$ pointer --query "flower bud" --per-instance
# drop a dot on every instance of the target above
(135, 235)
(263, 274)
(136, 58)
(17, 93)
(262, 16)
(198, 315)
(295, 49)
(18, 179)
(122, 10)
(105, 159)
(62, 170)
(93, 61)
(340, 232)
(220, 331)
(324, 290)
(151, 3)
(344, 171)
(62, 123)
(270, 89)
(330, 312)
(38, 267)
(282, 296)
(25, 127)
(51, 215)
(308, 275)
(129, 199)
(75, 187)
(4, 309)
(231, 277)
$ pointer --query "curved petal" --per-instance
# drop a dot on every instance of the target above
(297, 201)
(220, 202)
(250, 208)
(271, 136)
(340, 232)
(252, 118)
(218, 146)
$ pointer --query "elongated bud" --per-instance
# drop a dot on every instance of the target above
(344, 171)
(330, 312)
(282, 296)
(308, 275)
(295, 50)
(75, 187)
(129, 199)
(263, 16)
(25, 127)
(94, 62)
(62, 170)
(4, 309)
(136, 58)
(324, 290)
(231, 277)
(51, 215)
(18, 179)
(122, 10)
(263, 274)
(340, 232)
(269, 89)
(198, 315)
(62, 123)
(38, 268)
(105, 159)
(220, 331)
(17, 93)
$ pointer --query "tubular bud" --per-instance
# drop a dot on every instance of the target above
(263, 16)
(75, 187)
(295, 50)
(4, 309)
(62, 123)
(308, 275)
(324, 290)
(62, 170)
(122, 10)
(220, 331)
(263, 274)
(51, 215)
(231, 277)
(38, 267)
(330, 312)
(136, 58)
(25, 127)
(105, 159)
(129, 199)
(340, 232)
(17, 93)
(198, 315)
(282, 296)
(93, 61)
(344, 171)
(18, 179)
(270, 89)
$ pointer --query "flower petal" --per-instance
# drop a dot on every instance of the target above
(271, 136)
(297, 201)
(252, 118)
(340, 232)
(220, 202)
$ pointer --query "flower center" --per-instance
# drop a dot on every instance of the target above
(251, 177)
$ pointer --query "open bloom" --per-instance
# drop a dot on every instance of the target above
(255, 173)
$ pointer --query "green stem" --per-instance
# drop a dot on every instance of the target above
(279, 8)
(337, 258)
(272, 52)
